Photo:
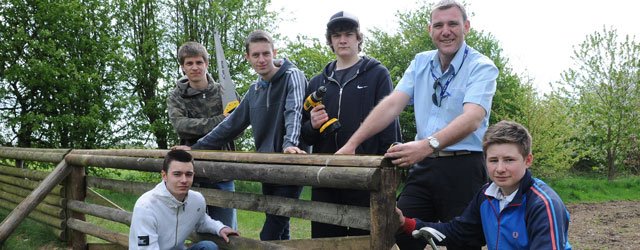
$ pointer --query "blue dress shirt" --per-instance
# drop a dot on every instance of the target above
(475, 82)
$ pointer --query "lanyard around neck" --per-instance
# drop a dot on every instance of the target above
(444, 87)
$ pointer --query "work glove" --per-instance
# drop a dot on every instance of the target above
(429, 234)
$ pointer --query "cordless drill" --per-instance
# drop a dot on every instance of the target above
(315, 99)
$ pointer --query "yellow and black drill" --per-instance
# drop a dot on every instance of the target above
(315, 99)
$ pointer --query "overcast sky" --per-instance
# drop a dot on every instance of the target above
(537, 36)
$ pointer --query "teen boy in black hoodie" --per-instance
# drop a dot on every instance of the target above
(354, 85)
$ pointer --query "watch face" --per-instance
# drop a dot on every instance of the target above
(434, 142)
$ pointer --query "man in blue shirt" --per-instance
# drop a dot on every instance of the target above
(451, 89)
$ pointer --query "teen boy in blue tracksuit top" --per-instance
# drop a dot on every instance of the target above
(515, 210)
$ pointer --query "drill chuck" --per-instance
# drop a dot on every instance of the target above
(315, 98)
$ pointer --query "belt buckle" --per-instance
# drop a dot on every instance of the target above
(438, 154)
(446, 153)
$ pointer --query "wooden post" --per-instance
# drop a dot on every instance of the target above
(75, 189)
(27, 205)
(384, 221)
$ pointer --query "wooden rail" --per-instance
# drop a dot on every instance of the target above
(244, 157)
(335, 177)
(32, 154)
(30, 202)
(64, 207)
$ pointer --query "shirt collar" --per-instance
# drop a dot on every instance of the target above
(494, 191)
(262, 84)
(455, 63)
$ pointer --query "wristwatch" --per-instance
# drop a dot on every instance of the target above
(434, 143)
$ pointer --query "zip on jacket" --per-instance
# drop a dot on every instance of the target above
(341, 86)
(175, 243)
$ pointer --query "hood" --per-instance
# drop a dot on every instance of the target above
(367, 63)
(286, 65)
(185, 91)
(166, 197)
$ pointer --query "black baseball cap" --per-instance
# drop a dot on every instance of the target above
(343, 16)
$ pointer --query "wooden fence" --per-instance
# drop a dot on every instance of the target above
(57, 199)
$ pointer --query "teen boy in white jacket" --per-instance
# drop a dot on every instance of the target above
(164, 216)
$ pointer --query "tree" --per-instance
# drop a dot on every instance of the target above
(152, 31)
(233, 19)
(58, 73)
(555, 149)
(143, 29)
(604, 87)
(309, 56)
(513, 93)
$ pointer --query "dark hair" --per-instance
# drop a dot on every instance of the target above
(505, 132)
(175, 155)
(192, 49)
(446, 4)
(257, 36)
(344, 27)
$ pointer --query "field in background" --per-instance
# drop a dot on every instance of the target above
(577, 189)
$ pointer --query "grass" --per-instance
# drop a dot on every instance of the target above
(575, 189)
(250, 223)
(29, 235)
